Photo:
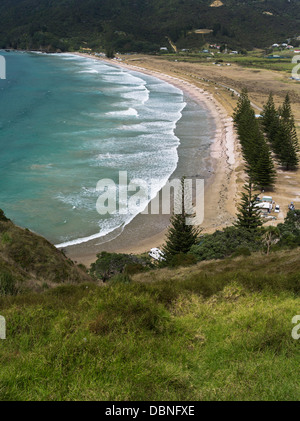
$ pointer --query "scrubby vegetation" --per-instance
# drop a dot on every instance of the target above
(235, 241)
(110, 265)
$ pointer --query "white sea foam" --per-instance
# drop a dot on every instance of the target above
(141, 95)
(89, 71)
(109, 226)
(158, 119)
(123, 113)
(84, 239)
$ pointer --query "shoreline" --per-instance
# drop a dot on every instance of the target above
(220, 186)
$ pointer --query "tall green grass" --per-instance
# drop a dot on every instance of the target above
(210, 336)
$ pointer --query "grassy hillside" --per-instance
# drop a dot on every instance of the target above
(279, 265)
(28, 261)
(69, 24)
(215, 331)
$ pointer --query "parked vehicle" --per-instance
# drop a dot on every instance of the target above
(277, 208)
(157, 254)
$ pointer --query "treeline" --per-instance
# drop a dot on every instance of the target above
(275, 131)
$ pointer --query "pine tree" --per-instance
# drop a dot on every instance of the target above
(246, 126)
(286, 111)
(243, 105)
(269, 116)
(248, 216)
(285, 140)
(286, 148)
(180, 237)
(270, 122)
(264, 175)
(259, 163)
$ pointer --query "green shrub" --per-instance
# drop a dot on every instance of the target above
(7, 284)
(224, 243)
(182, 259)
(290, 229)
(108, 265)
(6, 238)
(242, 251)
(133, 268)
(121, 278)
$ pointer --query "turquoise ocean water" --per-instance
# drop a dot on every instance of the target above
(67, 122)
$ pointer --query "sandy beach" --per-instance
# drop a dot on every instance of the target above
(220, 197)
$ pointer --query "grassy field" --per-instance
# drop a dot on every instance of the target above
(253, 59)
(199, 333)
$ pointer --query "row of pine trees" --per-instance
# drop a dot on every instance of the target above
(275, 133)
(255, 150)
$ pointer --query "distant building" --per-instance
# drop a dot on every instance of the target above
(267, 199)
(85, 50)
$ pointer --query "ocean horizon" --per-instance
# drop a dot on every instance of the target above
(66, 122)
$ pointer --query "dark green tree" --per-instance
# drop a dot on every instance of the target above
(108, 265)
(259, 163)
(270, 119)
(286, 149)
(109, 53)
(180, 236)
(248, 216)
(287, 118)
(264, 173)
(285, 139)
(286, 111)
(245, 124)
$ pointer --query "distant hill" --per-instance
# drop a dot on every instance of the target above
(28, 261)
(144, 25)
